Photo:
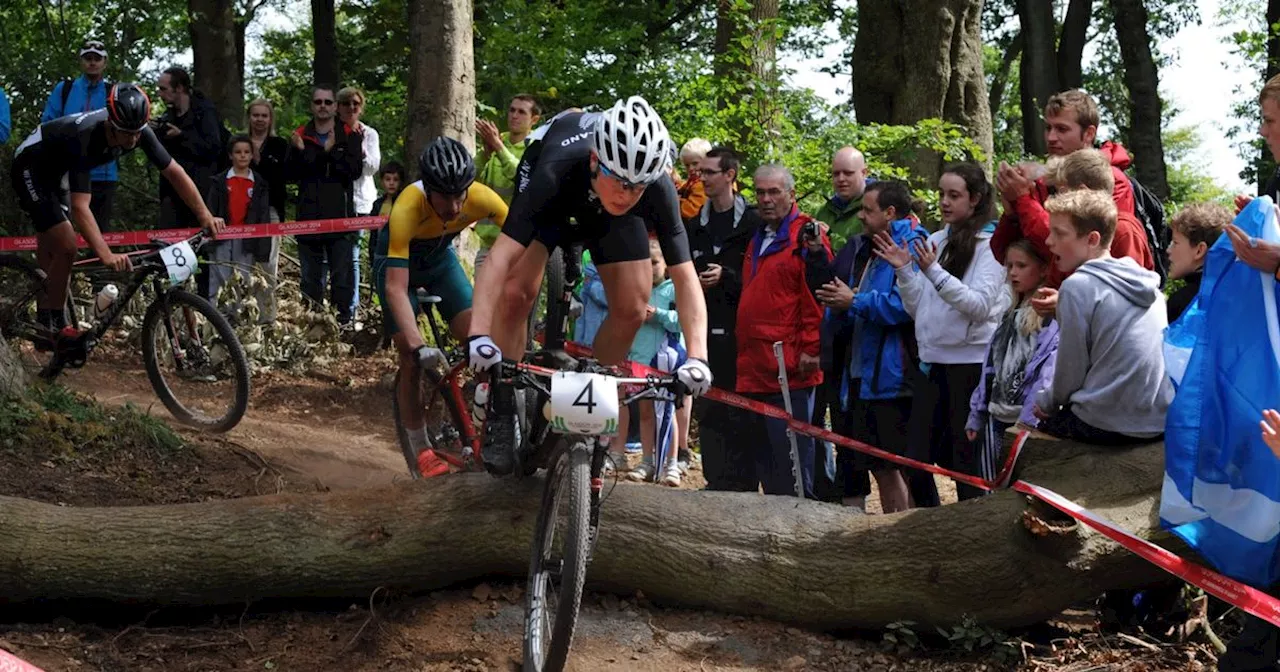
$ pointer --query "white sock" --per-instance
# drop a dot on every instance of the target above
(418, 439)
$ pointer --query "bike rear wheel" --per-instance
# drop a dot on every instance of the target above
(443, 412)
(195, 362)
(552, 291)
(558, 567)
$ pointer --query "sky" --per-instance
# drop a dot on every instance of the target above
(1201, 84)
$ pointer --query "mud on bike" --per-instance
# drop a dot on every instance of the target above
(193, 359)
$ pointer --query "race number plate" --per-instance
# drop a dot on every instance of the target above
(181, 262)
(584, 403)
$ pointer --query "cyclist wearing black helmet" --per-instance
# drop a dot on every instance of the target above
(417, 252)
(51, 173)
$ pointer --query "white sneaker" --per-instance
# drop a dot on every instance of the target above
(672, 477)
(643, 472)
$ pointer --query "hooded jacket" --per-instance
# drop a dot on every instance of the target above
(777, 305)
(325, 178)
(595, 306)
(655, 331)
(1110, 369)
(1030, 220)
(842, 218)
(956, 317)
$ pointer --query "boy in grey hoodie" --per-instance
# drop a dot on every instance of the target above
(1109, 387)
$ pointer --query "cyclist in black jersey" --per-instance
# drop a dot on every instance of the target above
(601, 179)
(50, 176)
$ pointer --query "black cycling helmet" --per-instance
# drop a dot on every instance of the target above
(128, 107)
(446, 166)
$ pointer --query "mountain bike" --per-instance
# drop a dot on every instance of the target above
(582, 408)
(209, 386)
(451, 433)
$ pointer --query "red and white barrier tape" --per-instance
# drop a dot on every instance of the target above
(134, 238)
(12, 663)
(1229, 590)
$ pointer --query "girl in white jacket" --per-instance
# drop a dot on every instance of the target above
(956, 299)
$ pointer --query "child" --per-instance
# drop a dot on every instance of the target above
(1109, 386)
(1019, 361)
(240, 196)
(391, 177)
(1195, 229)
(652, 337)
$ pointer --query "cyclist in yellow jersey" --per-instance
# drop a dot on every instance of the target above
(416, 250)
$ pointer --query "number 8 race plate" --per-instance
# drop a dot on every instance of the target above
(181, 262)
(584, 403)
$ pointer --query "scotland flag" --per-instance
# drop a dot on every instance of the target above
(1222, 485)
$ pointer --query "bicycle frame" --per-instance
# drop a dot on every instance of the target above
(451, 384)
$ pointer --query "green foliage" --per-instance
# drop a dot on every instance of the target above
(1189, 181)
(54, 416)
(1251, 46)
(900, 637)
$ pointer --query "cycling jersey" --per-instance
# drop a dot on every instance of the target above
(416, 230)
(59, 155)
(416, 238)
(554, 203)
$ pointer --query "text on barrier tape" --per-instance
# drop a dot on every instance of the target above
(1226, 589)
(134, 238)
(1229, 590)
(12, 663)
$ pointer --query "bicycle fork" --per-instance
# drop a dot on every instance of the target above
(600, 450)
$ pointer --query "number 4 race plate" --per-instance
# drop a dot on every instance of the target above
(584, 403)
(181, 262)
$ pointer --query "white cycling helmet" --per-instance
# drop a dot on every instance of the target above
(632, 142)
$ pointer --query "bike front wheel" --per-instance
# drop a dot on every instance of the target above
(558, 568)
(195, 362)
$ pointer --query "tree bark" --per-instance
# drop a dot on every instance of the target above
(1075, 33)
(1142, 80)
(790, 560)
(936, 47)
(442, 89)
(217, 46)
(13, 377)
(1038, 76)
(748, 73)
(324, 33)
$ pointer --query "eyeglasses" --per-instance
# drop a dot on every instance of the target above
(322, 101)
(626, 184)
(708, 171)
(351, 103)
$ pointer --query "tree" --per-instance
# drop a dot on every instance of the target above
(937, 47)
(217, 48)
(792, 560)
(442, 82)
(746, 57)
(1142, 81)
(324, 35)
(13, 377)
(1038, 78)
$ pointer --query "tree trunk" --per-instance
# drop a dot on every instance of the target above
(1075, 33)
(1142, 80)
(778, 557)
(936, 47)
(13, 377)
(748, 73)
(324, 33)
(442, 83)
(217, 56)
(1038, 76)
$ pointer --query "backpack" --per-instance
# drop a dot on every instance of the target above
(1150, 211)
(65, 92)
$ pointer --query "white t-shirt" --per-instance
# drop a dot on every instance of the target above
(366, 192)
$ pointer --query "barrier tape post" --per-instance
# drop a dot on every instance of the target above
(791, 435)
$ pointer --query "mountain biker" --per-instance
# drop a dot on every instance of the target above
(51, 178)
(602, 179)
(416, 251)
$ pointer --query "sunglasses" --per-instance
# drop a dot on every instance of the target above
(91, 57)
(626, 184)
(352, 103)
(322, 101)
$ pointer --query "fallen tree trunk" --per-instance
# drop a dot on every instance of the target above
(790, 560)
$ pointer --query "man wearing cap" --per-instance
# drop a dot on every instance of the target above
(86, 93)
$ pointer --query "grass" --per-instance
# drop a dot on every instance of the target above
(53, 416)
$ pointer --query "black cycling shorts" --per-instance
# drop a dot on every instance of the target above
(46, 207)
(610, 239)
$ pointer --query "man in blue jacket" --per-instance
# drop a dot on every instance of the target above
(87, 93)
(5, 124)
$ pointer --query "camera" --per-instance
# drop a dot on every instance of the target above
(809, 231)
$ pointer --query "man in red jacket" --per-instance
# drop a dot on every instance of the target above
(1070, 124)
(777, 305)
